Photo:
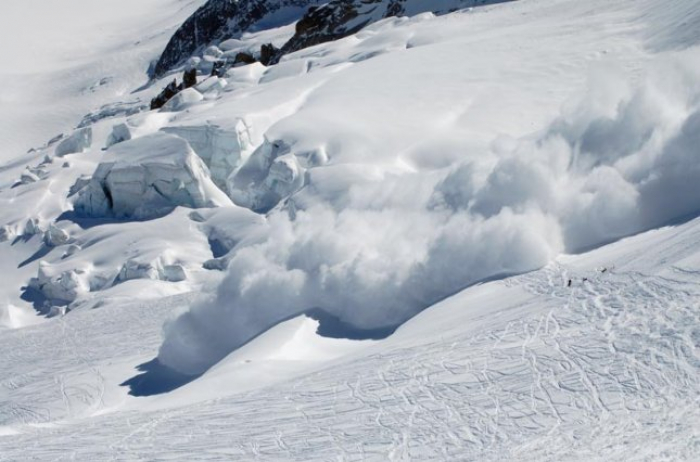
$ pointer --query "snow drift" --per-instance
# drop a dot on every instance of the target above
(623, 160)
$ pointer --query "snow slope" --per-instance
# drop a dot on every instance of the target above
(521, 369)
(63, 60)
(457, 178)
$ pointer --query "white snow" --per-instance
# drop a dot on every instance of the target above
(467, 179)
(62, 60)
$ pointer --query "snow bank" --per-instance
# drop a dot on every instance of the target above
(623, 160)
(146, 178)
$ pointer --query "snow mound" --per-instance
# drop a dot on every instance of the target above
(147, 178)
(622, 161)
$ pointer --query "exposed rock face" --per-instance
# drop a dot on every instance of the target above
(218, 20)
(189, 78)
(183, 100)
(335, 20)
(164, 96)
(341, 18)
(267, 53)
(215, 21)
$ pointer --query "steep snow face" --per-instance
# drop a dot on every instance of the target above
(147, 178)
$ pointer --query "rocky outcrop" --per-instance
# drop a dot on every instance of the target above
(215, 21)
(189, 80)
(340, 18)
(164, 96)
(219, 20)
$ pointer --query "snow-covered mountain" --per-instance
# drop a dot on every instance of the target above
(449, 230)
(218, 20)
(315, 22)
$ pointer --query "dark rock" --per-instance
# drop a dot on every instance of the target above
(244, 58)
(217, 20)
(221, 19)
(340, 18)
(164, 96)
(219, 69)
(189, 78)
(267, 53)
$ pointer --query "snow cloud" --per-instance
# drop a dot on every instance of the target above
(377, 249)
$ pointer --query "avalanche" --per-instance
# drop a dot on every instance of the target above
(465, 232)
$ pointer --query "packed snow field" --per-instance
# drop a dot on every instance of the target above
(412, 243)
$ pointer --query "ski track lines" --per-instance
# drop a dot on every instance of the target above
(595, 371)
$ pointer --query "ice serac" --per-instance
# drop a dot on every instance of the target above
(221, 149)
(271, 174)
(220, 19)
(153, 270)
(60, 287)
(78, 141)
(147, 178)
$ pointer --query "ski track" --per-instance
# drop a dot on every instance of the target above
(596, 371)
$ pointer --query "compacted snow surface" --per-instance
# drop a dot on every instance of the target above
(470, 236)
